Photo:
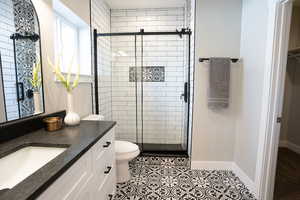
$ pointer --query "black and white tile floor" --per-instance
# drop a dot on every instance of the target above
(167, 178)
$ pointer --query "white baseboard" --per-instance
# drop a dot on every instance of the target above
(245, 179)
(226, 165)
(283, 143)
(290, 145)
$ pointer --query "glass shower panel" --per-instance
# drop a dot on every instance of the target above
(123, 87)
(162, 91)
(139, 93)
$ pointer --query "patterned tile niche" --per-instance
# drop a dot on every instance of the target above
(150, 74)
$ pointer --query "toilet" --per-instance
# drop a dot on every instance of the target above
(125, 152)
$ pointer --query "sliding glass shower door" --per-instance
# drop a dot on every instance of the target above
(124, 102)
(164, 94)
(144, 86)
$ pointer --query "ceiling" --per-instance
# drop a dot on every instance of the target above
(131, 4)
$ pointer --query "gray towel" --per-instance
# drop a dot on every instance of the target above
(219, 80)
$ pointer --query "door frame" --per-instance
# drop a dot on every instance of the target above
(276, 62)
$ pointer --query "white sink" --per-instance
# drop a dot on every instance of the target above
(18, 165)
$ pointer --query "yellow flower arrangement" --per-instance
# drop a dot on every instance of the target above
(36, 80)
(66, 81)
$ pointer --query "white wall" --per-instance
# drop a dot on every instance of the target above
(55, 93)
(294, 127)
(288, 95)
(289, 132)
(294, 40)
(253, 52)
(218, 25)
(80, 7)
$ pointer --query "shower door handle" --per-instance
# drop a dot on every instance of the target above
(185, 93)
(20, 91)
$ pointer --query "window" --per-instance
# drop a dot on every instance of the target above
(73, 46)
(67, 40)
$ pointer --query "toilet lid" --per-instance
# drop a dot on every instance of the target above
(125, 147)
(94, 118)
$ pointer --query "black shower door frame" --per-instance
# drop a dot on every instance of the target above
(183, 31)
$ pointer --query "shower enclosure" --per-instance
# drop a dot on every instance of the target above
(20, 51)
(148, 89)
(26, 48)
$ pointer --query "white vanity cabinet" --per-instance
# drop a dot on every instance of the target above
(92, 177)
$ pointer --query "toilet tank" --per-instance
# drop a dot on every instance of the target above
(94, 118)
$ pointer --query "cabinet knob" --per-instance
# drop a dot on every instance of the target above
(108, 170)
(107, 144)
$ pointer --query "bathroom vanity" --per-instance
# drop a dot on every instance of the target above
(73, 163)
(84, 167)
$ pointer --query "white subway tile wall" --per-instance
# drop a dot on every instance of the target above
(163, 109)
(124, 92)
(7, 56)
(101, 21)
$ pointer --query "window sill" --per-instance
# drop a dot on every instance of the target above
(83, 78)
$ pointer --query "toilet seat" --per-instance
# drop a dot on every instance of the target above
(126, 150)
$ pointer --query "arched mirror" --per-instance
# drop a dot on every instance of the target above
(21, 81)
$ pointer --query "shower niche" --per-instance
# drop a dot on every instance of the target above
(21, 81)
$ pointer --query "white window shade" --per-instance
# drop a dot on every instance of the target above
(67, 45)
(85, 51)
(73, 44)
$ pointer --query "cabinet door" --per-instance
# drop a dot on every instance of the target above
(89, 177)
(86, 192)
(106, 189)
(69, 184)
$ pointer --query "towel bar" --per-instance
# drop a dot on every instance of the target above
(234, 60)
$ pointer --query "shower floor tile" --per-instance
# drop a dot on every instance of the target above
(171, 178)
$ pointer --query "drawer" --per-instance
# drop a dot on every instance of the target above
(103, 144)
(100, 150)
(99, 169)
(107, 188)
(70, 182)
(107, 164)
(111, 186)
(85, 192)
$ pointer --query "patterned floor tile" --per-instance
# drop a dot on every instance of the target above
(168, 178)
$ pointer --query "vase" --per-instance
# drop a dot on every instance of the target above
(72, 118)
(37, 102)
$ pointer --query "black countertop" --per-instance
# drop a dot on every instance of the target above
(78, 140)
